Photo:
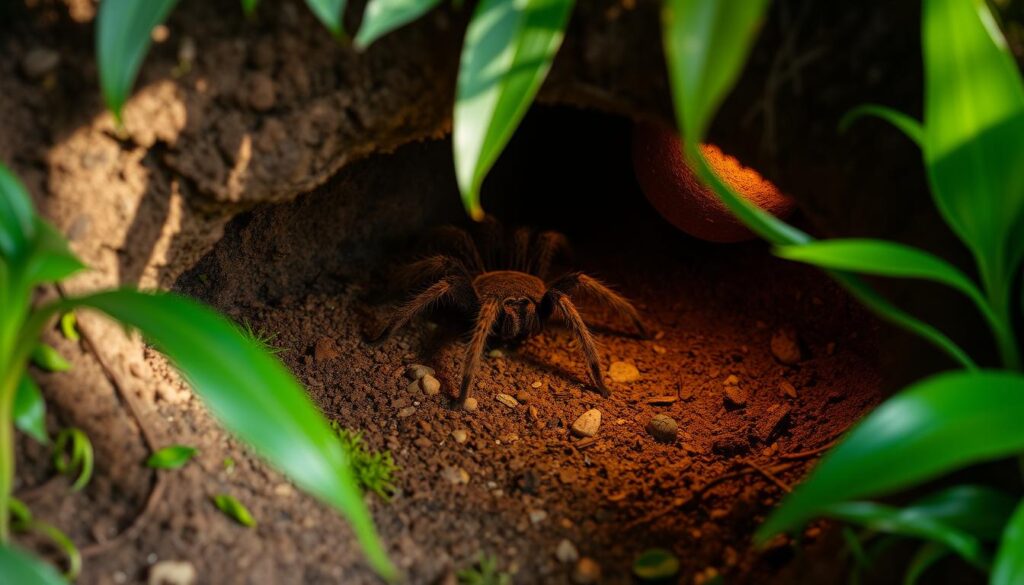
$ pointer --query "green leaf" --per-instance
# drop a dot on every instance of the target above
(937, 425)
(17, 217)
(926, 556)
(123, 29)
(706, 42)
(507, 52)
(249, 392)
(909, 126)
(172, 457)
(80, 458)
(973, 129)
(249, 6)
(1008, 568)
(49, 359)
(655, 564)
(68, 326)
(329, 12)
(960, 518)
(50, 260)
(384, 16)
(234, 509)
(30, 410)
(18, 568)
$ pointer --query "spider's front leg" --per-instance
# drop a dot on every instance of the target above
(577, 281)
(557, 300)
(485, 320)
(403, 314)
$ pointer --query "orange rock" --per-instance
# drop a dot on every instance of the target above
(678, 195)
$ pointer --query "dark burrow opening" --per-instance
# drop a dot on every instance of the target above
(314, 272)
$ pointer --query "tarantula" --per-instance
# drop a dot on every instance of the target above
(506, 289)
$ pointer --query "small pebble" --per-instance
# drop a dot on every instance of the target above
(587, 424)
(537, 516)
(417, 371)
(566, 551)
(586, 572)
(455, 475)
(623, 372)
(735, 396)
(507, 400)
(407, 412)
(659, 349)
(38, 63)
(422, 443)
(787, 389)
(663, 428)
(172, 573)
(786, 347)
(496, 353)
(732, 380)
(430, 385)
(326, 349)
(537, 384)
(460, 436)
(523, 397)
(470, 404)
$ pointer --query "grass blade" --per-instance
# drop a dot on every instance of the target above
(329, 12)
(937, 425)
(234, 509)
(81, 457)
(17, 218)
(926, 556)
(506, 55)
(172, 457)
(249, 392)
(909, 126)
(30, 410)
(384, 16)
(1008, 568)
(17, 567)
(47, 358)
(123, 29)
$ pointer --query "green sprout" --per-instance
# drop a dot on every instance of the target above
(484, 572)
(262, 338)
(374, 470)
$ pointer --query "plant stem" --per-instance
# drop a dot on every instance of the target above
(7, 389)
(998, 287)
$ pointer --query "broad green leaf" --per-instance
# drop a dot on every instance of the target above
(17, 218)
(234, 509)
(30, 410)
(960, 518)
(973, 129)
(384, 16)
(123, 29)
(706, 42)
(49, 359)
(881, 258)
(330, 13)
(171, 457)
(909, 126)
(1008, 568)
(507, 52)
(68, 326)
(927, 555)
(249, 392)
(249, 6)
(80, 458)
(937, 425)
(20, 568)
(50, 260)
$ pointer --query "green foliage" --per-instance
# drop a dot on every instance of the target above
(484, 572)
(909, 126)
(123, 29)
(69, 326)
(374, 470)
(47, 358)
(330, 13)
(1008, 568)
(18, 567)
(384, 16)
(250, 391)
(172, 457)
(249, 6)
(507, 52)
(262, 338)
(234, 509)
(655, 564)
(30, 410)
(78, 459)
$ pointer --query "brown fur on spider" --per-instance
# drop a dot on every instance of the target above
(504, 285)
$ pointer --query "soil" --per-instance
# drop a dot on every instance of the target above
(244, 182)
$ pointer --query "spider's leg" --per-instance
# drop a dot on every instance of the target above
(549, 245)
(577, 281)
(431, 268)
(485, 320)
(520, 259)
(403, 314)
(459, 242)
(555, 300)
(492, 243)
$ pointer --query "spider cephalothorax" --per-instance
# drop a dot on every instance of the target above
(503, 284)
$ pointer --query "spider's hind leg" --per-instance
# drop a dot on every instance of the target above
(558, 301)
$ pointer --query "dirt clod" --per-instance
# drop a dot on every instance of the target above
(663, 428)
(39, 63)
(417, 371)
(430, 385)
(663, 400)
(587, 424)
(787, 389)
(586, 572)
(460, 436)
(566, 551)
(785, 346)
(455, 475)
(623, 372)
(471, 404)
(735, 396)
(326, 349)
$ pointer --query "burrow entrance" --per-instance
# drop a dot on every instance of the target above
(311, 272)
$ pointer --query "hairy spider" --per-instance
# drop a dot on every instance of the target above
(504, 285)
